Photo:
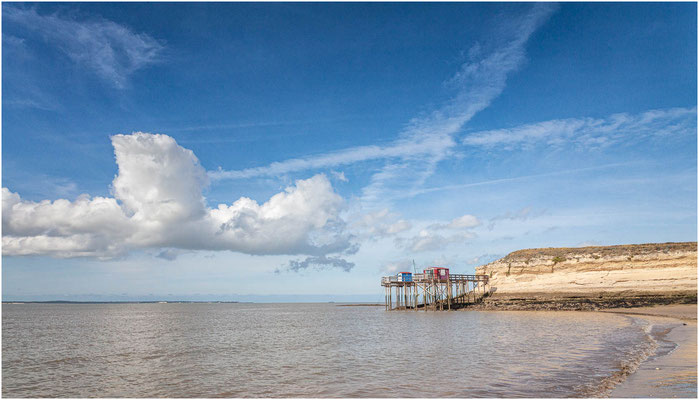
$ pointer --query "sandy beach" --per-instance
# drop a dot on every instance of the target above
(684, 312)
(671, 375)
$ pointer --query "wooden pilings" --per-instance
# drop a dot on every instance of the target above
(437, 294)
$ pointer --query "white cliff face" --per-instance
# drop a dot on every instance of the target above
(654, 269)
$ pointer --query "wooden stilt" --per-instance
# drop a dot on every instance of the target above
(405, 295)
(449, 295)
(424, 297)
(416, 296)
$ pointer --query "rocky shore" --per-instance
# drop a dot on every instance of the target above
(592, 278)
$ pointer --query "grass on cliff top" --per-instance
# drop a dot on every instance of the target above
(631, 250)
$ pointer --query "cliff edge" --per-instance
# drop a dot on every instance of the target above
(593, 277)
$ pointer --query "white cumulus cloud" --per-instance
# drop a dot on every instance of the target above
(158, 203)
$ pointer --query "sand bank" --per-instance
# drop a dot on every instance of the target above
(684, 312)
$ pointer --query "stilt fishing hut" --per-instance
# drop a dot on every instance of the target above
(438, 288)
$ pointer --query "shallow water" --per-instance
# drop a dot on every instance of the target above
(311, 350)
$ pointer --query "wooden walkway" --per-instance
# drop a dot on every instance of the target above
(456, 291)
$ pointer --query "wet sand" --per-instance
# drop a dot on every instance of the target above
(673, 375)
(685, 312)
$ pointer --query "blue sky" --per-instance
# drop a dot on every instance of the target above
(213, 151)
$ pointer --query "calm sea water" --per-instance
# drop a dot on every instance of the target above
(311, 350)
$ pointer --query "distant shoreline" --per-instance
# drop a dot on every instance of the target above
(369, 304)
(119, 302)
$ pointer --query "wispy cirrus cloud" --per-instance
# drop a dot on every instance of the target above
(110, 50)
(22, 91)
(402, 148)
(521, 215)
(464, 222)
(415, 154)
(457, 186)
(590, 132)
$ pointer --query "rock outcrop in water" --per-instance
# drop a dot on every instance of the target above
(593, 277)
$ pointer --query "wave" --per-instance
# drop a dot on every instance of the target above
(651, 345)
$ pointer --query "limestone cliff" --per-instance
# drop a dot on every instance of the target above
(657, 270)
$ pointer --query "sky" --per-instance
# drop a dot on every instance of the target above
(299, 152)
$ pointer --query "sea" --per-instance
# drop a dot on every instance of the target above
(314, 350)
